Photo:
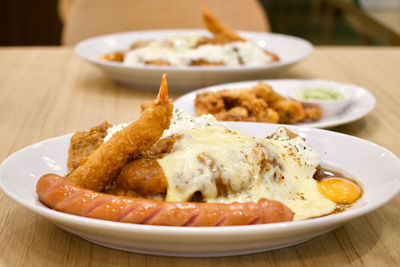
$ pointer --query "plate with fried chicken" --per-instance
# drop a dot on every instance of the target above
(192, 58)
(312, 103)
(171, 184)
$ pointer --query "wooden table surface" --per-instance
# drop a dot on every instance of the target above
(46, 92)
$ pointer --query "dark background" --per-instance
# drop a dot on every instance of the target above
(30, 22)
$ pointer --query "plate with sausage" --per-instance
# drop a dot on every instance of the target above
(193, 58)
(172, 184)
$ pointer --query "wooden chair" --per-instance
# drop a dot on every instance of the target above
(87, 18)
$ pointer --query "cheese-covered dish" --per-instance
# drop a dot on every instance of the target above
(224, 48)
(169, 168)
(206, 161)
(185, 51)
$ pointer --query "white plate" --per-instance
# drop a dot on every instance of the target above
(375, 167)
(362, 101)
(290, 50)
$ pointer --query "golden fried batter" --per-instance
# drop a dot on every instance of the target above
(289, 111)
(116, 56)
(222, 33)
(144, 176)
(259, 103)
(84, 143)
(102, 166)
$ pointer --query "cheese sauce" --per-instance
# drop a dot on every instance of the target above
(181, 51)
(228, 166)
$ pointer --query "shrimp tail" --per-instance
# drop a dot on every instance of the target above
(163, 92)
(102, 166)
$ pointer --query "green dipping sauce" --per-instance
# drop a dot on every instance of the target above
(319, 94)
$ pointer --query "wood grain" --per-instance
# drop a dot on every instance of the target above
(46, 92)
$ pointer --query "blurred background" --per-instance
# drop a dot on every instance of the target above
(322, 22)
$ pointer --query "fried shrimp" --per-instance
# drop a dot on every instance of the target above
(103, 165)
(222, 33)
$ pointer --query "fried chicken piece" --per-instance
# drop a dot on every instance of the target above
(238, 97)
(84, 143)
(272, 116)
(265, 91)
(259, 103)
(289, 111)
(313, 113)
(143, 176)
(102, 166)
(259, 109)
(115, 56)
(208, 102)
(238, 111)
(225, 116)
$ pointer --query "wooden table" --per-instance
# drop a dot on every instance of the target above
(46, 92)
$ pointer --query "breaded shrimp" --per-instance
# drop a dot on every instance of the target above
(102, 166)
(222, 33)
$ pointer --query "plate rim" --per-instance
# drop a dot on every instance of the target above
(369, 96)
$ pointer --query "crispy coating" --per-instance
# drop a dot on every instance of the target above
(222, 33)
(259, 103)
(208, 102)
(84, 143)
(115, 56)
(103, 165)
(313, 113)
(273, 116)
(157, 62)
(289, 111)
(143, 176)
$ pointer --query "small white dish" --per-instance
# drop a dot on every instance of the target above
(376, 168)
(358, 104)
(329, 107)
(290, 49)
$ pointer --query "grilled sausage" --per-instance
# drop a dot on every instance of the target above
(63, 195)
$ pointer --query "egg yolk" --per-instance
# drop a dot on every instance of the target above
(339, 190)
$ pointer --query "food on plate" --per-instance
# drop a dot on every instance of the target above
(52, 190)
(224, 48)
(169, 168)
(84, 143)
(259, 103)
(319, 93)
(100, 167)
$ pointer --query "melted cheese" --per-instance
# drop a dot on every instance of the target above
(181, 51)
(227, 166)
